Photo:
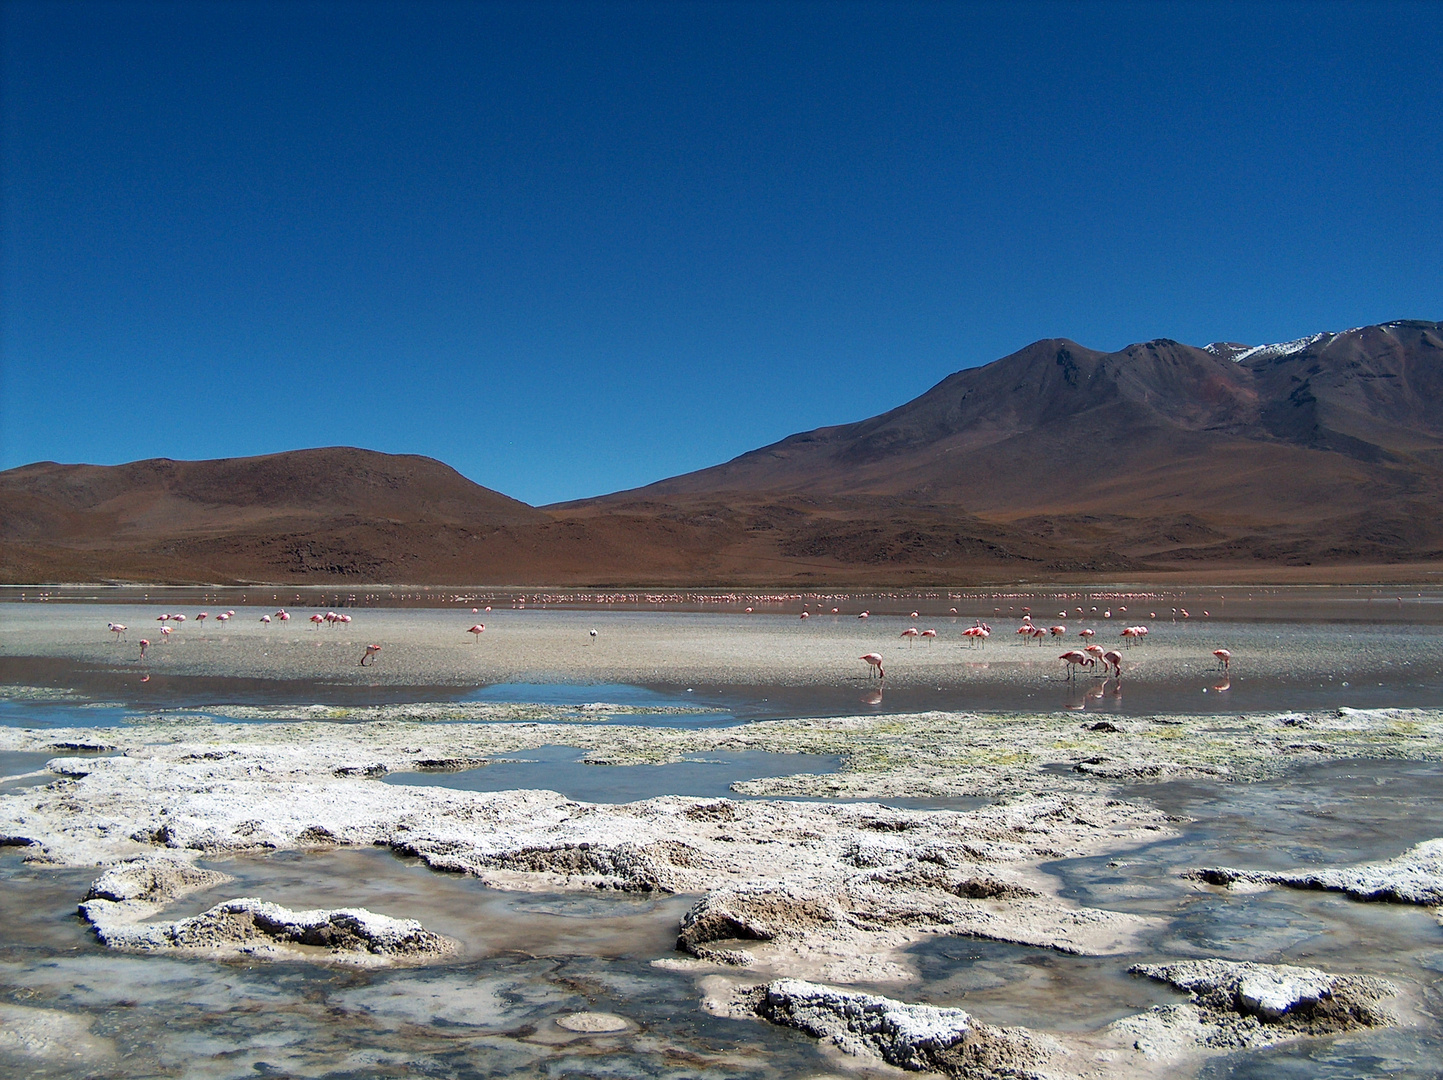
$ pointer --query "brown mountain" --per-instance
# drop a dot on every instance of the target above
(1326, 450)
(1054, 461)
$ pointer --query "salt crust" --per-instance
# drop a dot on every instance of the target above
(1415, 877)
(1231, 1006)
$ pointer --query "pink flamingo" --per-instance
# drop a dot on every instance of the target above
(1074, 660)
(371, 651)
(910, 634)
(202, 617)
(316, 621)
(874, 663)
(929, 635)
(284, 616)
(118, 629)
(1037, 634)
(1224, 658)
(177, 618)
(266, 619)
(144, 644)
(1095, 651)
(476, 632)
(864, 615)
(1057, 631)
(164, 633)
(806, 614)
(1088, 633)
(1113, 659)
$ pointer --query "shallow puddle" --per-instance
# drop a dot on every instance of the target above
(561, 769)
(1335, 814)
(528, 960)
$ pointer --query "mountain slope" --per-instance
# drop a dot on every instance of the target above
(1057, 460)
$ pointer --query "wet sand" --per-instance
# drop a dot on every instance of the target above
(738, 661)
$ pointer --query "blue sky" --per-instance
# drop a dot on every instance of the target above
(573, 248)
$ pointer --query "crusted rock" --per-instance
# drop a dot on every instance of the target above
(153, 879)
(1415, 877)
(752, 913)
(1311, 1001)
(253, 927)
(914, 1037)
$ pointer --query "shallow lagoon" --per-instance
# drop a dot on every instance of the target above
(530, 958)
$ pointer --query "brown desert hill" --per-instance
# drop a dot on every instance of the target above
(1328, 449)
(333, 515)
(1055, 461)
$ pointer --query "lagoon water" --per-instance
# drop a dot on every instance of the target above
(528, 959)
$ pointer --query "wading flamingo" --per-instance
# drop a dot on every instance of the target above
(164, 633)
(806, 614)
(316, 621)
(929, 635)
(369, 654)
(592, 635)
(1088, 633)
(1113, 659)
(1224, 658)
(1074, 660)
(118, 629)
(1057, 631)
(266, 619)
(202, 617)
(1095, 651)
(874, 663)
(144, 644)
(476, 632)
(910, 634)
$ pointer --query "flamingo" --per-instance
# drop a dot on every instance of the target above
(1075, 660)
(929, 635)
(864, 615)
(316, 621)
(177, 618)
(1088, 633)
(1057, 631)
(202, 617)
(912, 616)
(164, 633)
(118, 629)
(1224, 658)
(806, 615)
(371, 651)
(284, 616)
(1038, 634)
(1095, 651)
(266, 619)
(144, 644)
(476, 632)
(874, 663)
(591, 634)
(910, 633)
(1113, 659)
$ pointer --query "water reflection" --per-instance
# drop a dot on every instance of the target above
(562, 769)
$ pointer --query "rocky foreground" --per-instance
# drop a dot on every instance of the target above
(796, 900)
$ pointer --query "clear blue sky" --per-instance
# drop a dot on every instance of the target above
(573, 248)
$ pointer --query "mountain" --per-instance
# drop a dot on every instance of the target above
(1056, 461)
(1328, 449)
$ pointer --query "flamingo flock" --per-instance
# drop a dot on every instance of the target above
(1090, 656)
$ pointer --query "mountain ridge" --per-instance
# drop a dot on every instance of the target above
(1057, 459)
